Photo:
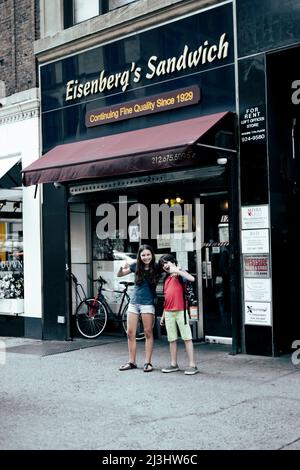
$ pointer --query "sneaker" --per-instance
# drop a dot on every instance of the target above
(170, 369)
(191, 370)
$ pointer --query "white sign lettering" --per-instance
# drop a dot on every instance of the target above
(296, 94)
(156, 67)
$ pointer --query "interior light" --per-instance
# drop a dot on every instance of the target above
(178, 199)
(224, 205)
(167, 200)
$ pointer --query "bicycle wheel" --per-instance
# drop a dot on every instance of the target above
(140, 335)
(91, 318)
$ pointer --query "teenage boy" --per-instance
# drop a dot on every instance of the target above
(174, 313)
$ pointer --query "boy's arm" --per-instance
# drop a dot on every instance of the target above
(174, 269)
(186, 275)
(162, 320)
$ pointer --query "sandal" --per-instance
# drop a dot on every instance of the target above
(148, 367)
(128, 366)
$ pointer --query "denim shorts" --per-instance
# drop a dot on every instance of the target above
(138, 308)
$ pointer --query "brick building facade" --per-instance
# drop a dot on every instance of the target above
(19, 27)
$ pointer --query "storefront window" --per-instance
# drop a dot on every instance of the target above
(11, 259)
(109, 253)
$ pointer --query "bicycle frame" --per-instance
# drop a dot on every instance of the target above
(92, 312)
(77, 293)
(103, 299)
(99, 296)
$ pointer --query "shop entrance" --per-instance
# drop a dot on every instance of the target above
(203, 249)
(215, 273)
(197, 233)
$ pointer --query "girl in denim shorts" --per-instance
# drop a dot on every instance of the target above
(141, 303)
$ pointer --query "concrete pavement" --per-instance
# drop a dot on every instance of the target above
(71, 395)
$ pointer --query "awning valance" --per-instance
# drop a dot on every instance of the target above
(144, 150)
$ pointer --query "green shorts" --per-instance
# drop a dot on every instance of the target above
(174, 318)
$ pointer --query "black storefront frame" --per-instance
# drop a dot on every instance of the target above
(56, 331)
(143, 182)
(254, 43)
(284, 192)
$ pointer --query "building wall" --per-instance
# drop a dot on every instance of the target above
(19, 135)
(122, 21)
(263, 26)
(19, 26)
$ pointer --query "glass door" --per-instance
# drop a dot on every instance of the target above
(213, 261)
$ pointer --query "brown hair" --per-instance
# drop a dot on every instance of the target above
(140, 272)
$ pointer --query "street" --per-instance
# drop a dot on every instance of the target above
(71, 396)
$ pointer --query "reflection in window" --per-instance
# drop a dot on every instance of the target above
(76, 11)
(84, 10)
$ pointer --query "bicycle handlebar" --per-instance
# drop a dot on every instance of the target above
(100, 280)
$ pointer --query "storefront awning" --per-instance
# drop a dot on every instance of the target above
(144, 150)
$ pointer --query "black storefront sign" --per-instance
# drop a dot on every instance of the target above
(195, 51)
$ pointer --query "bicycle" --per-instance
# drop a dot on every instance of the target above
(92, 313)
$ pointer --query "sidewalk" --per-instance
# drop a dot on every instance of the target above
(71, 395)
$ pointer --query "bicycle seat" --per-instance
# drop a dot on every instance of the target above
(127, 283)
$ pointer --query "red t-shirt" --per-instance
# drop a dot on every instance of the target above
(173, 292)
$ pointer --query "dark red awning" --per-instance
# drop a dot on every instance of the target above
(151, 149)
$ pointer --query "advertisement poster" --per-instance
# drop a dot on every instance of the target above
(255, 217)
(257, 266)
(258, 313)
(163, 240)
(182, 242)
(253, 124)
(257, 290)
(255, 241)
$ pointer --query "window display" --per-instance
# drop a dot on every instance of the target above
(11, 259)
